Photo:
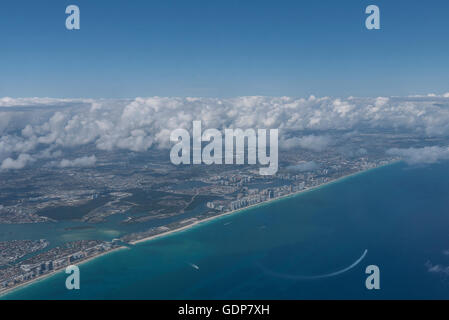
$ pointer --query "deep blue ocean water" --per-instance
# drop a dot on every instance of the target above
(398, 213)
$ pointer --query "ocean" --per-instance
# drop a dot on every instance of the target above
(394, 217)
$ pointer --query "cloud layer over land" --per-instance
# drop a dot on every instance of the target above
(426, 155)
(38, 128)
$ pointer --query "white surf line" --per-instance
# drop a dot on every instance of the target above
(322, 276)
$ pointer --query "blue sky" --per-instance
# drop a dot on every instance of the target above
(223, 48)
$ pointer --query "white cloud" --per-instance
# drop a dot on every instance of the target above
(78, 162)
(437, 268)
(311, 142)
(426, 155)
(19, 163)
(144, 123)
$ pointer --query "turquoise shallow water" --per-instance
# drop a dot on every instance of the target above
(399, 214)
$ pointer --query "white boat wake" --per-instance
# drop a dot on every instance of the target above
(321, 276)
(194, 266)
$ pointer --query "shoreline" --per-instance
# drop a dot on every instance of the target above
(54, 272)
(222, 215)
(192, 225)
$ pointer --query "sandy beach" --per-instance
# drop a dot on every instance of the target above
(290, 195)
(54, 272)
(192, 225)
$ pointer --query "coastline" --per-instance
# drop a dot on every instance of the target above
(54, 272)
(290, 195)
(193, 225)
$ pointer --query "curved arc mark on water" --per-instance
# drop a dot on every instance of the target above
(322, 276)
